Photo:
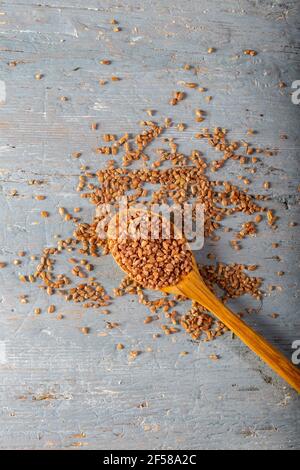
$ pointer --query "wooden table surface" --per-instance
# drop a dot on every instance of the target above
(59, 388)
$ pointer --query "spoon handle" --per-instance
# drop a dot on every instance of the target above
(197, 290)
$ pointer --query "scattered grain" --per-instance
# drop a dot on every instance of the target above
(134, 354)
(274, 315)
(61, 211)
(152, 263)
(85, 330)
(214, 357)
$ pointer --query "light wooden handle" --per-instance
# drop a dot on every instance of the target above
(198, 291)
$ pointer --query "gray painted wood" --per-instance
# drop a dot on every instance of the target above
(162, 400)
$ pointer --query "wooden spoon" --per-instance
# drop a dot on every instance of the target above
(193, 287)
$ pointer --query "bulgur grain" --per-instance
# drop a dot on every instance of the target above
(250, 52)
(76, 154)
(214, 357)
(134, 354)
(152, 263)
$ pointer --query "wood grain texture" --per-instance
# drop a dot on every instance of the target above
(57, 383)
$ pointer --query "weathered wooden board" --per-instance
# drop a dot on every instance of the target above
(55, 382)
